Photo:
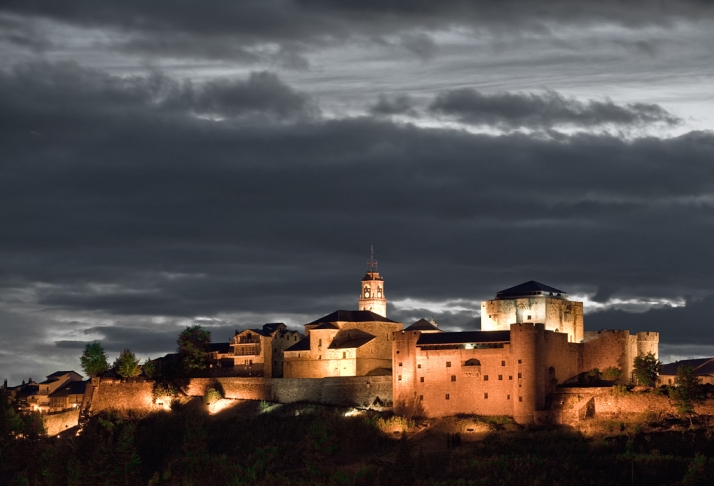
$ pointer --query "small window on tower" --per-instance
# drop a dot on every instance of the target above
(379, 292)
(448, 364)
(453, 377)
(421, 380)
(344, 354)
(485, 396)
(400, 364)
(418, 366)
(447, 396)
(503, 363)
(485, 377)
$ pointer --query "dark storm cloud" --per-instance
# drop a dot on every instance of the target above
(119, 199)
(45, 96)
(676, 325)
(532, 110)
(230, 29)
(143, 340)
(262, 92)
(394, 105)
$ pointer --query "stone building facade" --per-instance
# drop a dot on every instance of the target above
(504, 371)
(344, 343)
(257, 352)
(534, 302)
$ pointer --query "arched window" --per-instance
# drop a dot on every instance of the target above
(366, 292)
(472, 362)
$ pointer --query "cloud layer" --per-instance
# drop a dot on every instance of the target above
(163, 165)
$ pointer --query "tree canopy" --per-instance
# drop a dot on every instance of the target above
(687, 390)
(94, 360)
(646, 369)
(194, 345)
(127, 365)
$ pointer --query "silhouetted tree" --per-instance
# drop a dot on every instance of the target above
(687, 391)
(94, 360)
(646, 369)
(194, 345)
(149, 369)
(127, 365)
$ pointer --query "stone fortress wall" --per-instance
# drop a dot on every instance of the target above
(58, 422)
(361, 391)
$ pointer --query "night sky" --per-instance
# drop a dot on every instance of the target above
(229, 163)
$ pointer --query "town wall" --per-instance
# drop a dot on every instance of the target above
(58, 422)
(345, 390)
(606, 348)
(122, 396)
(349, 391)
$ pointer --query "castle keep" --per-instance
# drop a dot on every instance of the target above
(508, 369)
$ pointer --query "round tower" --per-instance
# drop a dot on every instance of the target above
(529, 387)
(648, 342)
(372, 296)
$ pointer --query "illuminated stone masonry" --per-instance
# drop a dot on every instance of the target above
(507, 369)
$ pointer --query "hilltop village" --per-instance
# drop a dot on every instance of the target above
(532, 343)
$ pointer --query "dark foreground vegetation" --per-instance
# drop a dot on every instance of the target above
(310, 445)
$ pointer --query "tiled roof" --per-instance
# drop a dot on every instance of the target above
(702, 366)
(526, 287)
(350, 338)
(422, 325)
(60, 373)
(271, 327)
(352, 316)
(326, 325)
(464, 337)
(302, 345)
(71, 388)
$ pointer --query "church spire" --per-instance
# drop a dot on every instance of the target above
(371, 263)
(371, 296)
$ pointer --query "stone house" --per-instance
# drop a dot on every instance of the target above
(703, 368)
(256, 352)
(40, 401)
(69, 395)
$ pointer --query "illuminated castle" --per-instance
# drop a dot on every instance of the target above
(532, 341)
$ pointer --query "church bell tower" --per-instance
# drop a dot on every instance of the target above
(372, 295)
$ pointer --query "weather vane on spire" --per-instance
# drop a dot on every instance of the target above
(372, 263)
